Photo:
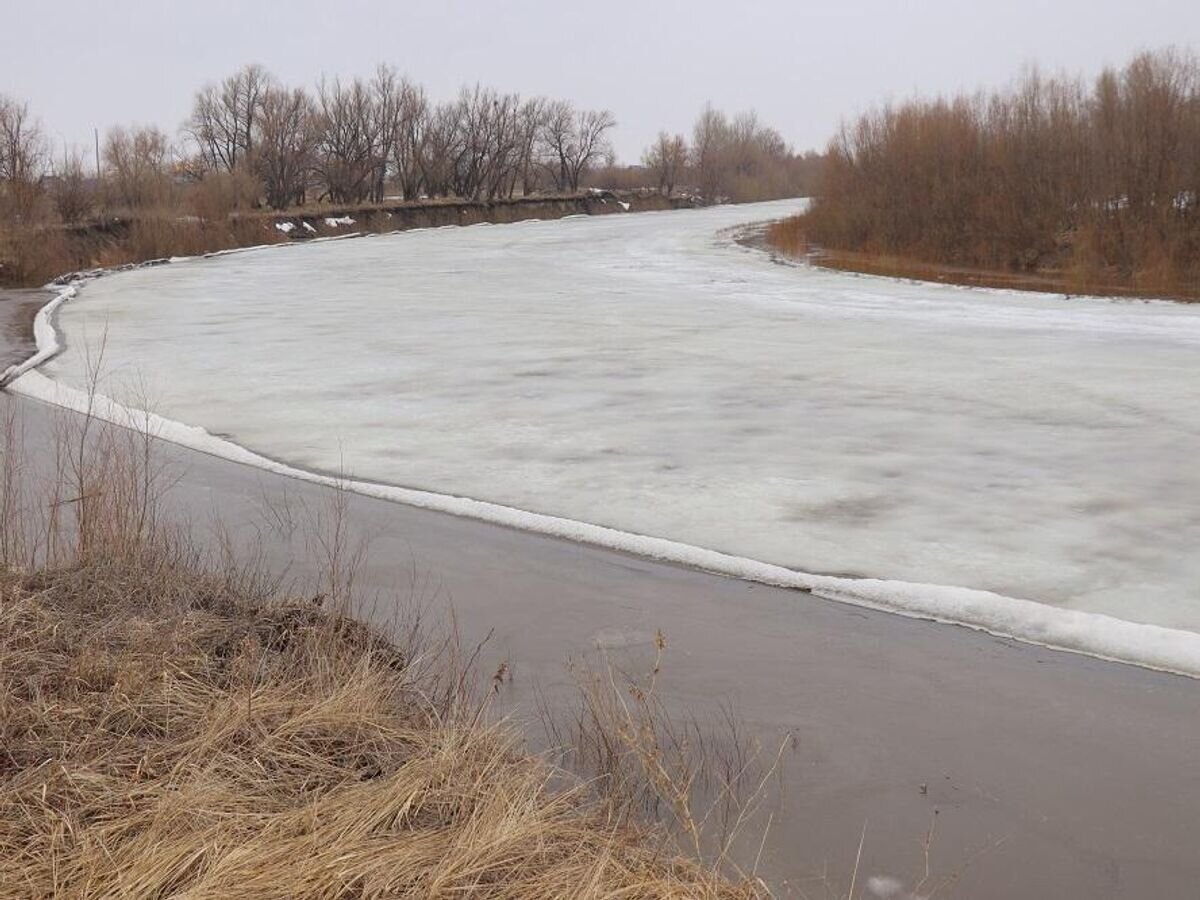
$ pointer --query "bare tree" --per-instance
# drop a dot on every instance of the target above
(387, 107)
(557, 141)
(666, 158)
(22, 159)
(592, 144)
(407, 140)
(223, 119)
(573, 142)
(73, 192)
(286, 138)
(1099, 180)
(349, 148)
(137, 166)
(442, 149)
(710, 136)
(740, 158)
(531, 120)
(491, 144)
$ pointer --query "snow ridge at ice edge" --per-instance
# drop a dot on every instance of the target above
(1091, 634)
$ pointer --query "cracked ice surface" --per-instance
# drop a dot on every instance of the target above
(645, 372)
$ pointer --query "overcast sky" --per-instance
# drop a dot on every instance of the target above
(802, 65)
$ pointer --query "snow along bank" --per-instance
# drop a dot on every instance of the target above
(1089, 633)
(1093, 634)
(45, 337)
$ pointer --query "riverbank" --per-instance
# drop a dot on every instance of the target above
(18, 309)
(795, 455)
(789, 238)
(31, 257)
(174, 728)
(1048, 773)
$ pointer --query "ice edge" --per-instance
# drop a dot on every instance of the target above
(1091, 634)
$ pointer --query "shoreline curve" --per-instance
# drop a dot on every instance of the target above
(1175, 651)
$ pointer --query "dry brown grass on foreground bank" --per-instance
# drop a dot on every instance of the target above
(170, 727)
(164, 737)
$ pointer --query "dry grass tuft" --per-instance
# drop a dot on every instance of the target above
(192, 743)
(169, 727)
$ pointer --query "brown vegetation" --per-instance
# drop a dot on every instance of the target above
(172, 723)
(1093, 187)
(22, 160)
(251, 143)
(742, 159)
(790, 237)
(31, 257)
(737, 159)
(164, 736)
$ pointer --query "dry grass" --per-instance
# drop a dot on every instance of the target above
(172, 726)
(164, 737)
(790, 236)
(35, 255)
(31, 256)
(706, 783)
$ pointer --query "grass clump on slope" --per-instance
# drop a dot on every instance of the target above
(163, 733)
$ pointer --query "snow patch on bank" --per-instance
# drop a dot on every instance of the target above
(45, 336)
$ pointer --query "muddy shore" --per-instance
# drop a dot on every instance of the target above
(18, 308)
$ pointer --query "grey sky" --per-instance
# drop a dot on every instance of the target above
(803, 66)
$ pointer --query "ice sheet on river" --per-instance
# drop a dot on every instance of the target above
(646, 373)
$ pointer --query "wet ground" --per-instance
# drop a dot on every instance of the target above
(17, 311)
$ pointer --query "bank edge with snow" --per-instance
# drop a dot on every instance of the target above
(1092, 634)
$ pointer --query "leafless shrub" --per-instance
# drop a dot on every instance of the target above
(137, 170)
(1097, 182)
(573, 142)
(666, 159)
(224, 119)
(23, 156)
(74, 192)
(217, 194)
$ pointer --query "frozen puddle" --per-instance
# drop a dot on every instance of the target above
(647, 374)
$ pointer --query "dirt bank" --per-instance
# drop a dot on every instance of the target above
(788, 238)
(32, 257)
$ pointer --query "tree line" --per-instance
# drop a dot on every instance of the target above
(252, 141)
(1099, 177)
(731, 158)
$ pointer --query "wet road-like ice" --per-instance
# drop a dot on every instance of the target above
(647, 373)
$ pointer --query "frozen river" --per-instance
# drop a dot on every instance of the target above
(647, 373)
